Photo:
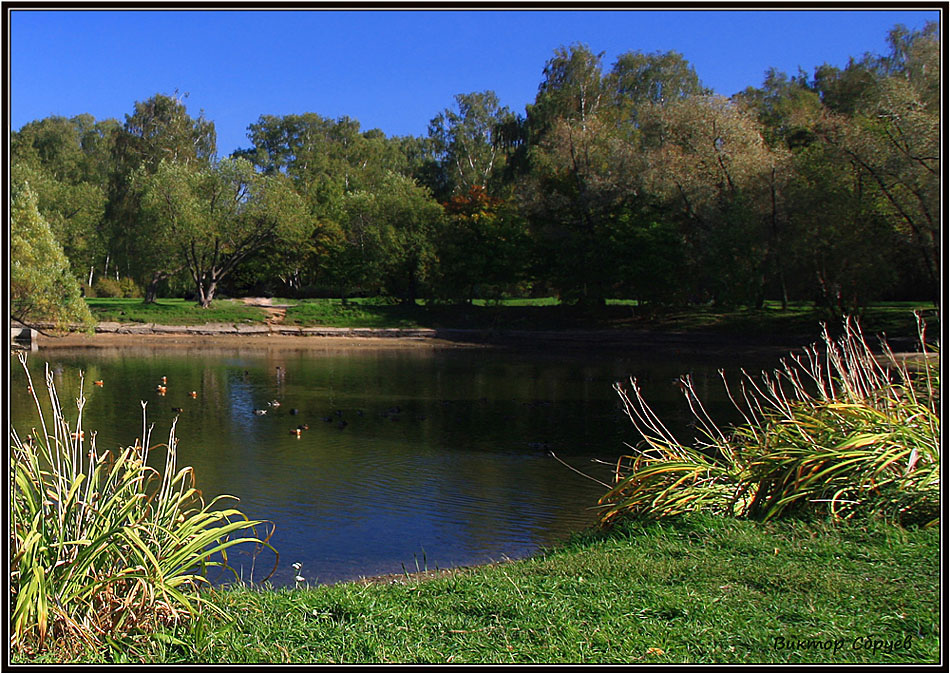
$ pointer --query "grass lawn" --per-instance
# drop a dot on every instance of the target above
(700, 590)
(172, 311)
(896, 319)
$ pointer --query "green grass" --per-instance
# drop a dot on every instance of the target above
(545, 313)
(172, 311)
(356, 313)
(698, 589)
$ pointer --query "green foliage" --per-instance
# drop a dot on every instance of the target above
(466, 141)
(158, 130)
(106, 287)
(840, 433)
(482, 249)
(388, 239)
(104, 548)
(65, 161)
(628, 181)
(212, 217)
(129, 287)
(109, 287)
(42, 287)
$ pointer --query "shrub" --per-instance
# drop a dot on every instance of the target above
(41, 286)
(833, 431)
(105, 548)
(129, 288)
(107, 287)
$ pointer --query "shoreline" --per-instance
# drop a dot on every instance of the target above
(217, 335)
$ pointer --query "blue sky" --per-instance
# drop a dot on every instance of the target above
(392, 70)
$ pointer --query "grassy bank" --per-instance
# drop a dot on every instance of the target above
(895, 318)
(695, 590)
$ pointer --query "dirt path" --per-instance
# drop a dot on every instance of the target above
(275, 312)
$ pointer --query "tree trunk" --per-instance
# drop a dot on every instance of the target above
(206, 293)
(151, 290)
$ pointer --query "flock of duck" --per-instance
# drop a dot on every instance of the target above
(393, 413)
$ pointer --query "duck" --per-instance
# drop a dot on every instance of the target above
(98, 382)
(179, 410)
(274, 403)
(193, 394)
(78, 435)
(303, 427)
(161, 389)
(260, 413)
(294, 410)
(164, 380)
(295, 431)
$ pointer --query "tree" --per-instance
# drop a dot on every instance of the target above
(637, 80)
(66, 162)
(41, 285)
(572, 90)
(717, 176)
(890, 130)
(466, 140)
(159, 130)
(584, 172)
(338, 170)
(787, 109)
(389, 237)
(840, 246)
(213, 217)
(483, 247)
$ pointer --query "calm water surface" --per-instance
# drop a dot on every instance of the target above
(415, 458)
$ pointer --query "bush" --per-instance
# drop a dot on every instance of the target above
(104, 548)
(107, 287)
(129, 288)
(832, 432)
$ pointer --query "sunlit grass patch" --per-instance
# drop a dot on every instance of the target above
(354, 313)
(172, 311)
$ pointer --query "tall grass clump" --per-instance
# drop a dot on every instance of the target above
(833, 431)
(104, 548)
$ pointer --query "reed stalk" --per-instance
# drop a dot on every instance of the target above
(834, 430)
(104, 548)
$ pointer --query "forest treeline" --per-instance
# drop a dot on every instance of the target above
(630, 181)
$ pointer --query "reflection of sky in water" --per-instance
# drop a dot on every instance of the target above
(443, 458)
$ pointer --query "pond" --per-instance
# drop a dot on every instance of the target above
(414, 459)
